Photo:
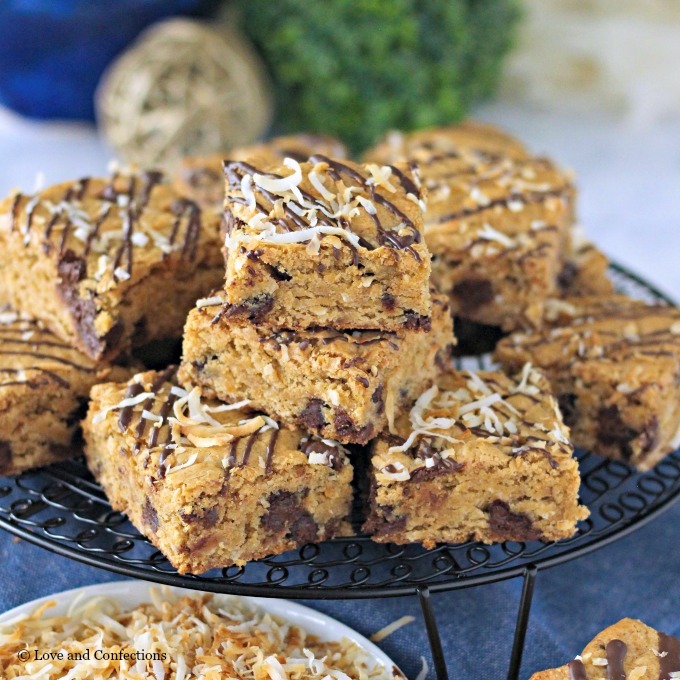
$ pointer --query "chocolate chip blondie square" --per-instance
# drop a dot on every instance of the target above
(628, 650)
(44, 388)
(481, 456)
(497, 223)
(614, 364)
(201, 178)
(108, 263)
(212, 484)
(326, 243)
(346, 385)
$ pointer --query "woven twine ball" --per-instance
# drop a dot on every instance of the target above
(183, 89)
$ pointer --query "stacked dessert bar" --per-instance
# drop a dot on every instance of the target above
(327, 307)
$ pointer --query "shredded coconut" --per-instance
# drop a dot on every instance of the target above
(317, 183)
(121, 274)
(279, 185)
(208, 302)
(391, 628)
(130, 401)
(490, 234)
(188, 637)
(247, 189)
(424, 670)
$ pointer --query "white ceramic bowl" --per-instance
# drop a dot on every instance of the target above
(132, 593)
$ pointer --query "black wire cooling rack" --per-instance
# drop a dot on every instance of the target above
(63, 509)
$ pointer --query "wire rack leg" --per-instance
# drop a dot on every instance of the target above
(522, 621)
(432, 633)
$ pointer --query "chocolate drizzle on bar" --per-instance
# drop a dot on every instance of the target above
(613, 332)
(577, 671)
(32, 356)
(489, 406)
(115, 212)
(616, 651)
(152, 421)
(435, 463)
(668, 655)
(401, 236)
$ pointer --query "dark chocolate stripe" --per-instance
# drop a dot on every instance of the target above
(162, 460)
(616, 654)
(409, 186)
(125, 247)
(150, 178)
(40, 355)
(77, 195)
(31, 383)
(231, 458)
(166, 408)
(249, 446)
(81, 188)
(544, 452)
(529, 197)
(158, 383)
(577, 671)
(270, 451)
(68, 197)
(6, 337)
(669, 656)
(95, 230)
(13, 212)
(126, 413)
(109, 192)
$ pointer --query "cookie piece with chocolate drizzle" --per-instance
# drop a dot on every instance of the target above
(346, 385)
(212, 484)
(97, 259)
(201, 178)
(44, 387)
(327, 242)
(481, 456)
(628, 650)
(614, 364)
(497, 220)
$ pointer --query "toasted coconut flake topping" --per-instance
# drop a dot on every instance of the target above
(124, 403)
(490, 234)
(318, 184)
(247, 189)
(380, 176)
(296, 217)
(208, 302)
(478, 405)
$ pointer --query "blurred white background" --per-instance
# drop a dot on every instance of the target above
(593, 83)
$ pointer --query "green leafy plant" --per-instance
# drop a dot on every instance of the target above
(355, 68)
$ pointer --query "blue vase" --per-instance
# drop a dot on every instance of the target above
(53, 52)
